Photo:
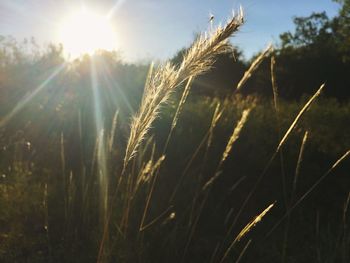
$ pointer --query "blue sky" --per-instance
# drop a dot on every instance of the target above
(156, 29)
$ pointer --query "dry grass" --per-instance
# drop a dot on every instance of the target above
(274, 83)
(300, 114)
(307, 193)
(162, 82)
(277, 151)
(180, 106)
(233, 138)
(112, 133)
(246, 229)
(136, 214)
(300, 159)
(254, 66)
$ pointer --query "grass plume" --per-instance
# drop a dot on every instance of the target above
(253, 67)
(246, 229)
(300, 114)
(162, 82)
(307, 193)
(233, 138)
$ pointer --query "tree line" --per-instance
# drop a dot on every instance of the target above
(316, 52)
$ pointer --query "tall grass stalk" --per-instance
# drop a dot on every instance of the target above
(275, 100)
(209, 138)
(197, 60)
(254, 66)
(281, 156)
(307, 193)
(294, 186)
(243, 251)
(160, 84)
(112, 133)
(298, 166)
(167, 77)
(274, 83)
(246, 229)
(233, 138)
(63, 173)
(153, 180)
(345, 234)
(281, 143)
(178, 111)
(206, 141)
(298, 117)
(207, 186)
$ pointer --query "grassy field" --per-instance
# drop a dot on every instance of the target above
(170, 175)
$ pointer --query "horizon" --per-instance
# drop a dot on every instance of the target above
(143, 36)
(211, 156)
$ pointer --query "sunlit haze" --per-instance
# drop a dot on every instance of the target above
(149, 29)
(86, 32)
(192, 131)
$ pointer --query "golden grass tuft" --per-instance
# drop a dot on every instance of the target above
(297, 118)
(253, 67)
(235, 134)
(233, 138)
(162, 81)
(246, 229)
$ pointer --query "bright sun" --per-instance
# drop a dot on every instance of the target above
(86, 32)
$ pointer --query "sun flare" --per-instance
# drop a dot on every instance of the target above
(86, 32)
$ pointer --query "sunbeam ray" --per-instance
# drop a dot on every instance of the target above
(23, 102)
(101, 150)
(116, 87)
(115, 8)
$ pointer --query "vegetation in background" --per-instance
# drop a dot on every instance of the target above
(201, 162)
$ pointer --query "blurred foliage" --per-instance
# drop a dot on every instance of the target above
(49, 182)
(316, 52)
